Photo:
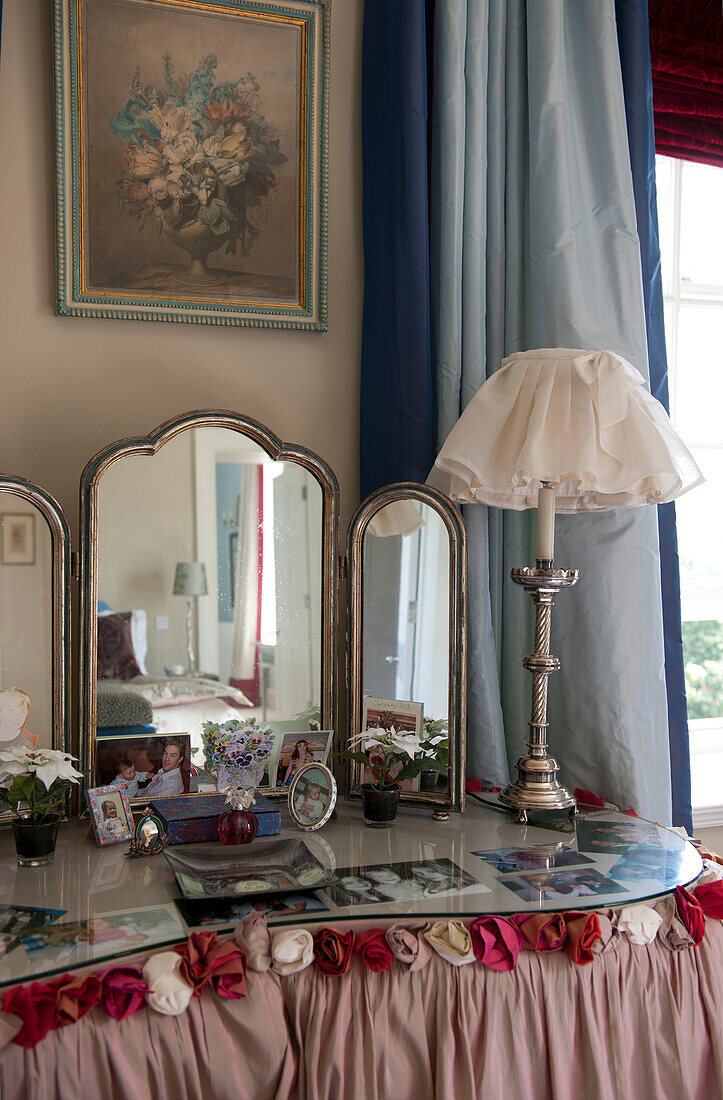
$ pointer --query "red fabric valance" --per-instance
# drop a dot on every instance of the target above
(686, 48)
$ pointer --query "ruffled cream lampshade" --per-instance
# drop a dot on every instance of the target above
(563, 431)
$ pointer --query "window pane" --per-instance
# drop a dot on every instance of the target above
(703, 654)
(664, 168)
(701, 238)
(699, 374)
(700, 540)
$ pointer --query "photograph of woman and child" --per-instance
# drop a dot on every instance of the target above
(401, 882)
(551, 885)
(155, 767)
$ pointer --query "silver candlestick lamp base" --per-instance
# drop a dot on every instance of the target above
(536, 786)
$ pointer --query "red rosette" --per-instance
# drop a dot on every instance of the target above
(124, 991)
(690, 912)
(373, 949)
(333, 951)
(496, 942)
(35, 1005)
(710, 896)
(583, 932)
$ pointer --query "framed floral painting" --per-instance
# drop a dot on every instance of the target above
(191, 160)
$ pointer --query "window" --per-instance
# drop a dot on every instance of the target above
(690, 200)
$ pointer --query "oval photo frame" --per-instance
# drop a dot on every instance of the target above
(150, 836)
(303, 798)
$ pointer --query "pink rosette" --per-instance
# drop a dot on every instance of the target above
(123, 991)
(408, 944)
(496, 942)
(253, 937)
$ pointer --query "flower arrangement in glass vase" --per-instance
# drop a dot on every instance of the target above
(199, 155)
(382, 753)
(237, 753)
(33, 784)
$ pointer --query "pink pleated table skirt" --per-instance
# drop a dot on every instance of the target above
(639, 1023)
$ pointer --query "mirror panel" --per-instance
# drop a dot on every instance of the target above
(208, 596)
(407, 576)
(34, 559)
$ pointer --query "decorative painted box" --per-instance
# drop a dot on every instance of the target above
(193, 820)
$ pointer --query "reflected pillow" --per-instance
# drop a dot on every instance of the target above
(116, 658)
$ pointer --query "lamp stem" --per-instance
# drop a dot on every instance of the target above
(536, 786)
(189, 635)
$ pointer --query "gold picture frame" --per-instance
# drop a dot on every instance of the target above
(191, 165)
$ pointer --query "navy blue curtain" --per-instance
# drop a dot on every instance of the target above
(632, 23)
(397, 434)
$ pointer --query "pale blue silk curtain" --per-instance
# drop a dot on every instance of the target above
(534, 244)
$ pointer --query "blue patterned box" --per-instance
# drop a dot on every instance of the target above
(190, 820)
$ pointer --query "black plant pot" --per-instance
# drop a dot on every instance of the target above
(35, 840)
(380, 807)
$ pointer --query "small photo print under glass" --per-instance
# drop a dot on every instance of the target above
(407, 881)
(509, 861)
(558, 885)
(641, 864)
(594, 835)
(111, 814)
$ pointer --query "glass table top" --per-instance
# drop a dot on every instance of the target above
(94, 903)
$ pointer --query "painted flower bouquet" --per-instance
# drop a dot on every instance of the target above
(197, 154)
(33, 782)
(236, 752)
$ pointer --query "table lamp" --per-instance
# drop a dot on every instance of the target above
(562, 431)
(190, 581)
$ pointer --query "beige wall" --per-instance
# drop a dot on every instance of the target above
(72, 385)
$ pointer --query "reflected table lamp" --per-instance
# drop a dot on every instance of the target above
(561, 431)
(190, 581)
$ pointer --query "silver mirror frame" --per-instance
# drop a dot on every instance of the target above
(54, 516)
(150, 445)
(457, 708)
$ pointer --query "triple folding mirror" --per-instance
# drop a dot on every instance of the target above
(208, 577)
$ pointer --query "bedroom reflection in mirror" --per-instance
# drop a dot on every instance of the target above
(406, 617)
(26, 637)
(246, 639)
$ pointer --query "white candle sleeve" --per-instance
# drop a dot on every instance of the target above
(546, 524)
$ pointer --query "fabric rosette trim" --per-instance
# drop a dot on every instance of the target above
(170, 980)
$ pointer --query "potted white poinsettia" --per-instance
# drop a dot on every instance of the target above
(33, 784)
(390, 756)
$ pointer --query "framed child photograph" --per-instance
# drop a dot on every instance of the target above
(111, 814)
(191, 168)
